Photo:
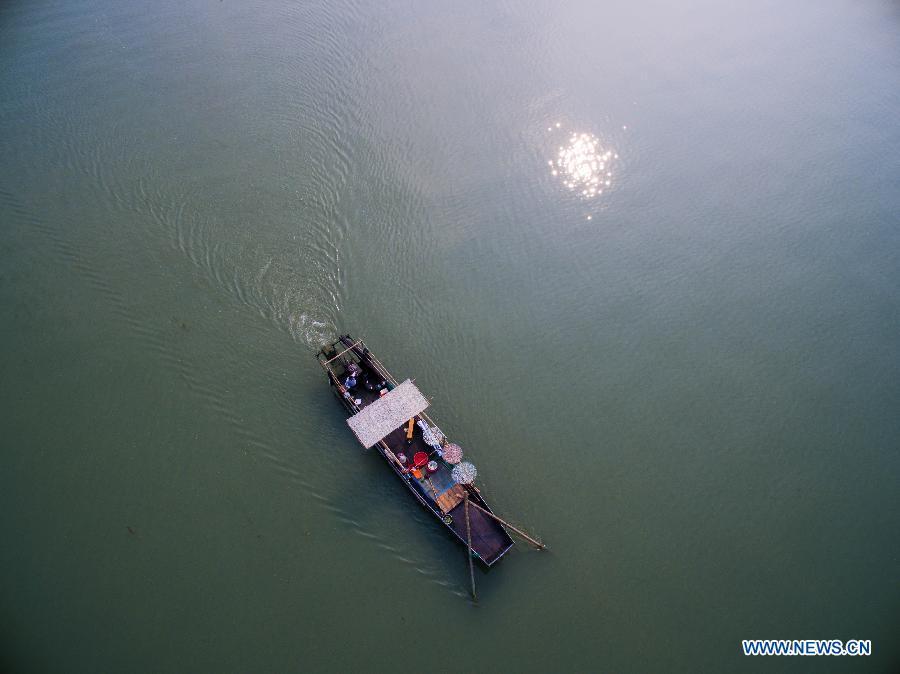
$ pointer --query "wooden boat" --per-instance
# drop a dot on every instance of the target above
(389, 416)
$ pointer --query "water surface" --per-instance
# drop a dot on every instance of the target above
(681, 369)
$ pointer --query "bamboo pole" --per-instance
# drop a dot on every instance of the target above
(469, 542)
(537, 544)
(342, 353)
(433, 490)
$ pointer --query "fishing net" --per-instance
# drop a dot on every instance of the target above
(452, 453)
(431, 435)
(464, 473)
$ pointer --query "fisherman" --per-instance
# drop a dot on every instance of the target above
(350, 381)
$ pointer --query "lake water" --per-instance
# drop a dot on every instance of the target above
(643, 256)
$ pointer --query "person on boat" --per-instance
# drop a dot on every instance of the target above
(350, 381)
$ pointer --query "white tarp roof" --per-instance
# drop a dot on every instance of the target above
(388, 413)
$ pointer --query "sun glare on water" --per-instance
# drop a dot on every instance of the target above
(583, 165)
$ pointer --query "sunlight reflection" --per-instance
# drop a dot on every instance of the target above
(583, 165)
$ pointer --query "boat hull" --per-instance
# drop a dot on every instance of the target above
(490, 541)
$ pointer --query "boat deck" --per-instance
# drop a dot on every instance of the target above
(489, 539)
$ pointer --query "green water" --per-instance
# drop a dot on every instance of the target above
(688, 385)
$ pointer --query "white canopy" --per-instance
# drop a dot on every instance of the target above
(387, 414)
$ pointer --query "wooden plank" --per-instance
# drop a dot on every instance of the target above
(451, 498)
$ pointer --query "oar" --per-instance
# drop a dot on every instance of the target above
(469, 541)
(537, 544)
